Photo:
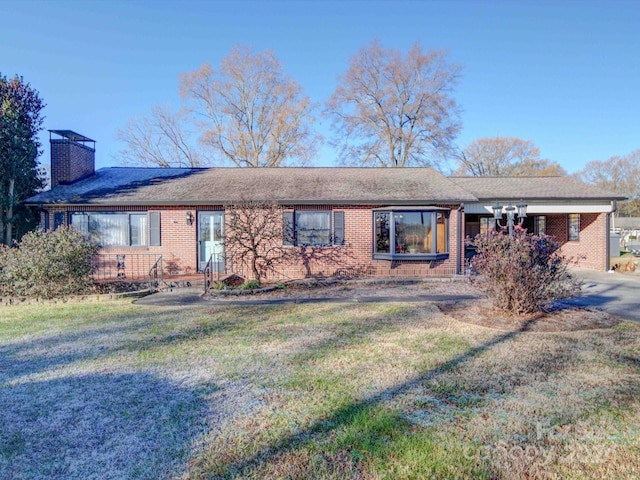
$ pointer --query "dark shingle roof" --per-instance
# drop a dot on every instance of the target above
(105, 183)
(533, 188)
(160, 186)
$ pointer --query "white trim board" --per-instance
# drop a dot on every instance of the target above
(541, 209)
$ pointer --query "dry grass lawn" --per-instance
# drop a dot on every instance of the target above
(327, 391)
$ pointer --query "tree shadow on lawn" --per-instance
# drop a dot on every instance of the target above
(47, 352)
(136, 426)
(343, 414)
(107, 425)
(97, 426)
(255, 323)
(285, 451)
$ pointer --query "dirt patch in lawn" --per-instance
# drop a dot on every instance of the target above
(559, 318)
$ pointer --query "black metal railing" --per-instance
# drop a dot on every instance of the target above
(129, 267)
(213, 270)
(155, 275)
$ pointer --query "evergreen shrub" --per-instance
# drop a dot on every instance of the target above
(49, 264)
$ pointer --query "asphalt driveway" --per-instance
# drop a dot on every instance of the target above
(615, 293)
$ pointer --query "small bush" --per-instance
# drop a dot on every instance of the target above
(47, 264)
(251, 285)
(522, 273)
(219, 286)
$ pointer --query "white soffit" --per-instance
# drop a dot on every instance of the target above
(550, 208)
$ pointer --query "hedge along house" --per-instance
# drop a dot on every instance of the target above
(409, 222)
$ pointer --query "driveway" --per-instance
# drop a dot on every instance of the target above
(615, 293)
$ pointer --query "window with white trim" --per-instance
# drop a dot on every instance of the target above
(574, 227)
(119, 229)
(411, 234)
(540, 225)
(313, 227)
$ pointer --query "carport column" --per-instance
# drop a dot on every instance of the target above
(607, 261)
(460, 240)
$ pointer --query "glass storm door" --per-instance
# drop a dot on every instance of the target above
(210, 239)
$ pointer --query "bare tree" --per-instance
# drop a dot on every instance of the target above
(251, 113)
(395, 111)
(254, 237)
(162, 140)
(538, 168)
(620, 175)
(504, 156)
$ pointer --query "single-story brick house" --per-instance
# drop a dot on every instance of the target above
(408, 222)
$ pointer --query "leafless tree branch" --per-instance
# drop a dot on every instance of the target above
(504, 156)
(254, 238)
(395, 111)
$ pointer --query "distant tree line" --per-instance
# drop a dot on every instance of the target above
(620, 175)
(389, 109)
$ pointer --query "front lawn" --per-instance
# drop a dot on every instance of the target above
(324, 391)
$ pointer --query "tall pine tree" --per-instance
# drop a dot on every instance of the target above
(20, 175)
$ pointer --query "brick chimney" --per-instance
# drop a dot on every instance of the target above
(72, 159)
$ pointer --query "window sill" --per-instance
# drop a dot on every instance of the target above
(122, 247)
(324, 245)
(410, 256)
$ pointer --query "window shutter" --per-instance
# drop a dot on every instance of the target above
(338, 228)
(154, 229)
(288, 232)
(58, 219)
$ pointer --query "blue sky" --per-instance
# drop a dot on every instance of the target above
(563, 74)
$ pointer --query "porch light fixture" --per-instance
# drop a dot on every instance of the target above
(190, 218)
(510, 210)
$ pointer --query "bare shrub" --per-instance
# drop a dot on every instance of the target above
(626, 266)
(254, 238)
(47, 264)
(523, 272)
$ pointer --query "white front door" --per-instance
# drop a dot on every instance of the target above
(211, 239)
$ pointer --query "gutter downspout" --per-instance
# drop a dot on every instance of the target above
(461, 246)
(607, 263)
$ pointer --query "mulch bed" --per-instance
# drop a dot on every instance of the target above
(559, 318)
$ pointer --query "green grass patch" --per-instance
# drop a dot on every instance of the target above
(326, 391)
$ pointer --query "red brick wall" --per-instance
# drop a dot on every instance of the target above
(179, 246)
(590, 251)
(356, 256)
(70, 161)
(178, 240)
